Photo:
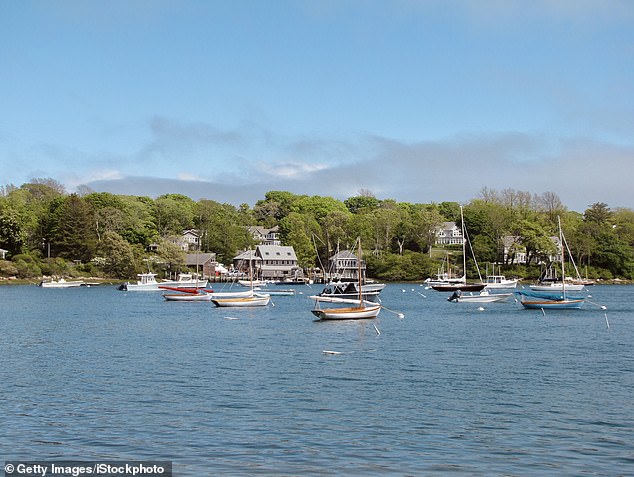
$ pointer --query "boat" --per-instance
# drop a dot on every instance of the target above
(146, 282)
(257, 299)
(278, 292)
(461, 284)
(236, 294)
(61, 283)
(500, 282)
(538, 298)
(185, 280)
(445, 277)
(346, 289)
(558, 286)
(200, 295)
(546, 303)
(496, 282)
(252, 283)
(237, 300)
(483, 297)
(360, 309)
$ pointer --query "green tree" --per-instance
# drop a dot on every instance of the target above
(12, 237)
(297, 230)
(118, 255)
(72, 234)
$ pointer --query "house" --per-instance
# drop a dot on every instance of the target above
(449, 234)
(515, 252)
(189, 240)
(264, 236)
(205, 263)
(3, 254)
(245, 263)
(345, 266)
(269, 262)
(278, 262)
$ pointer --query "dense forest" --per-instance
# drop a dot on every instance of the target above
(47, 231)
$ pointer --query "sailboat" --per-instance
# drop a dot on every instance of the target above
(555, 299)
(236, 300)
(462, 284)
(361, 308)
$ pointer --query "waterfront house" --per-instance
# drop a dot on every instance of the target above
(449, 234)
(264, 236)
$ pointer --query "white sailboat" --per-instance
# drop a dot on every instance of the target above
(251, 299)
(361, 308)
(462, 284)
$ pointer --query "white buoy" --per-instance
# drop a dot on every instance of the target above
(480, 308)
(401, 315)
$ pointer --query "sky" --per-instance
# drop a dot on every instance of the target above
(413, 100)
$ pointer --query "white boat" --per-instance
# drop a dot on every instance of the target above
(252, 283)
(364, 310)
(557, 286)
(146, 282)
(460, 283)
(361, 309)
(278, 292)
(483, 297)
(257, 299)
(185, 280)
(61, 283)
(200, 296)
(236, 294)
(500, 282)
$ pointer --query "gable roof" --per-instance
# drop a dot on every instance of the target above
(276, 252)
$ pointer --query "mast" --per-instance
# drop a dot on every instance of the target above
(563, 270)
(464, 248)
(359, 273)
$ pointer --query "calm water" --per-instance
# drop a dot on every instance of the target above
(96, 373)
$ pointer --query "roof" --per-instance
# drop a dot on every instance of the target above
(247, 255)
(343, 255)
(279, 252)
(192, 259)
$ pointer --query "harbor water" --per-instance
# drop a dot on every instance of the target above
(449, 389)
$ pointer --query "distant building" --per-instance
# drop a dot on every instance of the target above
(264, 236)
(345, 266)
(205, 263)
(515, 252)
(449, 234)
(269, 262)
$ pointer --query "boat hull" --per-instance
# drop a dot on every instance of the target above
(459, 286)
(187, 297)
(486, 298)
(257, 300)
(350, 313)
(552, 304)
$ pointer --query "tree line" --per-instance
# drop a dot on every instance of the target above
(48, 231)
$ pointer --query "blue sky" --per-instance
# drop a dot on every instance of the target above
(413, 100)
